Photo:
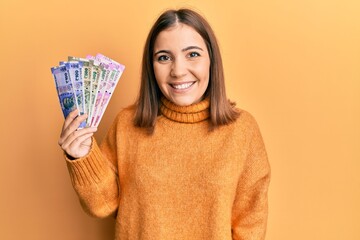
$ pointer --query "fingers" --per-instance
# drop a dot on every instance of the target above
(72, 123)
(72, 115)
(78, 143)
(80, 146)
(68, 139)
(80, 140)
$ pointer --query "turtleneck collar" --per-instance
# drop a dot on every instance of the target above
(185, 114)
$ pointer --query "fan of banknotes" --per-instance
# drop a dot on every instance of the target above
(86, 84)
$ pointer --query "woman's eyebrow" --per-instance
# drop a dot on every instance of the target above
(183, 50)
(192, 47)
(162, 51)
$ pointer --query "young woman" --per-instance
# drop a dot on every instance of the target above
(183, 162)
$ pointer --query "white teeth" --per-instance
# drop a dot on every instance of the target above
(182, 86)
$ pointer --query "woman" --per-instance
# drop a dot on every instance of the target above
(183, 162)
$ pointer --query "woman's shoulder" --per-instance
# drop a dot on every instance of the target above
(245, 116)
(128, 111)
(246, 120)
(125, 116)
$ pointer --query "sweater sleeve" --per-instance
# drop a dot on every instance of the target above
(95, 181)
(250, 208)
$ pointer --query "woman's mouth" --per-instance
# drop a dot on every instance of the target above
(182, 86)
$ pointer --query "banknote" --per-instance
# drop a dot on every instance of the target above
(86, 78)
(65, 90)
(87, 84)
(104, 81)
(105, 75)
(74, 68)
(116, 70)
(95, 76)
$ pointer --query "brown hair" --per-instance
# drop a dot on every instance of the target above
(147, 108)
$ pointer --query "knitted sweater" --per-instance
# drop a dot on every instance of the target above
(181, 182)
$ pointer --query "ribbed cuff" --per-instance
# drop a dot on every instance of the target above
(89, 169)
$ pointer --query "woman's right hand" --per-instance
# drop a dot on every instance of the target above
(76, 142)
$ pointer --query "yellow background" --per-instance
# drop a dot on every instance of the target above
(295, 65)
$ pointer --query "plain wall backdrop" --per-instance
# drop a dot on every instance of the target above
(295, 65)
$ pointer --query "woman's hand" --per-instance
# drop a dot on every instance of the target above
(76, 142)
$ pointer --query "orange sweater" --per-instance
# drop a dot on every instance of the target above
(182, 182)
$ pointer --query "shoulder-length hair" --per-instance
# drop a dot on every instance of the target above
(221, 111)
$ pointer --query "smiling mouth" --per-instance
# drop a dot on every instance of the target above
(182, 86)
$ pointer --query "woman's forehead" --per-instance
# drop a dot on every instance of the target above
(179, 36)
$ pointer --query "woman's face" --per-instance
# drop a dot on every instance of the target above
(181, 64)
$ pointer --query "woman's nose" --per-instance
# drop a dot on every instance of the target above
(178, 68)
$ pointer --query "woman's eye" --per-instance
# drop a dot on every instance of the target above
(194, 54)
(163, 58)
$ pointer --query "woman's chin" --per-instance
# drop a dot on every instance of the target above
(184, 101)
